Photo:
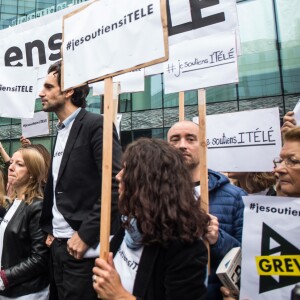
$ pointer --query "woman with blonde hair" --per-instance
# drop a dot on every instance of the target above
(23, 253)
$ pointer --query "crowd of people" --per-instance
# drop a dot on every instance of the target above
(50, 210)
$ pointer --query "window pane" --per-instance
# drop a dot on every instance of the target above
(289, 29)
(258, 65)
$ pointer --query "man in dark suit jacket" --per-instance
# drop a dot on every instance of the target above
(71, 210)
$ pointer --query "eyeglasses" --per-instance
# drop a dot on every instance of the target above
(289, 162)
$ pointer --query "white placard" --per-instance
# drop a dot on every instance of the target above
(191, 20)
(130, 82)
(270, 248)
(201, 63)
(297, 113)
(122, 34)
(17, 92)
(245, 141)
(36, 126)
(207, 18)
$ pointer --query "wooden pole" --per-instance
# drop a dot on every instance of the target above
(181, 106)
(204, 203)
(202, 147)
(116, 92)
(106, 168)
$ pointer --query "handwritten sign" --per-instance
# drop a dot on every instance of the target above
(215, 63)
(270, 248)
(191, 20)
(36, 126)
(17, 92)
(136, 27)
(245, 141)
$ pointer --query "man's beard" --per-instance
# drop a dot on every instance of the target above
(191, 163)
(53, 108)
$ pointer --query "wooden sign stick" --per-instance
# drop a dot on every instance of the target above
(116, 92)
(106, 168)
(204, 203)
(181, 106)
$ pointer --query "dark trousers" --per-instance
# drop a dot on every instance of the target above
(73, 277)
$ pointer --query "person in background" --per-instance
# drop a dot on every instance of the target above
(71, 210)
(23, 253)
(287, 165)
(226, 206)
(4, 200)
(158, 253)
(255, 183)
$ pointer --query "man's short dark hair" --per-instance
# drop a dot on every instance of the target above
(80, 93)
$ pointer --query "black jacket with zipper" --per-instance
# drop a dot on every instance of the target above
(25, 254)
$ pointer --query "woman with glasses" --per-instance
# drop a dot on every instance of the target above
(287, 166)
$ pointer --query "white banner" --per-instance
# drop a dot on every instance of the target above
(121, 35)
(245, 141)
(34, 43)
(270, 248)
(201, 63)
(17, 92)
(36, 126)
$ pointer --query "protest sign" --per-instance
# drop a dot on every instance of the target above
(122, 36)
(130, 82)
(270, 248)
(17, 92)
(297, 113)
(209, 61)
(245, 141)
(192, 19)
(34, 43)
(38, 125)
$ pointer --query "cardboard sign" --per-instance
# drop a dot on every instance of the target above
(17, 92)
(201, 63)
(297, 113)
(36, 126)
(122, 36)
(270, 248)
(129, 83)
(245, 141)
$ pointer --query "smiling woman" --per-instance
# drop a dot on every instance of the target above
(23, 252)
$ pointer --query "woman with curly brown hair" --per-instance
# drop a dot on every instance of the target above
(158, 254)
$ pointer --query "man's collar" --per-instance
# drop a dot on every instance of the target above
(68, 120)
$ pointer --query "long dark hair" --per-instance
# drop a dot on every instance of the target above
(158, 192)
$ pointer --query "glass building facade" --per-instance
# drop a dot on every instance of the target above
(269, 72)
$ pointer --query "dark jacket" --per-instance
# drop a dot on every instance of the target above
(78, 187)
(226, 203)
(176, 272)
(25, 255)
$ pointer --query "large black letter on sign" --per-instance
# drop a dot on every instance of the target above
(197, 20)
(54, 43)
(13, 54)
(41, 52)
